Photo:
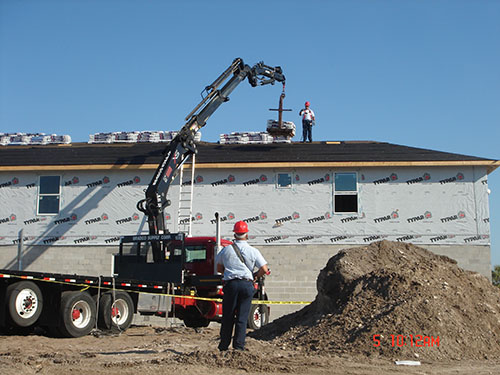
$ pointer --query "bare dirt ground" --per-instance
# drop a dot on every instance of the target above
(385, 289)
(154, 350)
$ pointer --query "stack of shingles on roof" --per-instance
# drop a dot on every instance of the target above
(274, 134)
(281, 133)
(32, 139)
(136, 136)
(245, 137)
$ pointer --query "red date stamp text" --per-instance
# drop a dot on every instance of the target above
(418, 341)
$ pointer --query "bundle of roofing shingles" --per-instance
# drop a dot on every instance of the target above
(32, 139)
(245, 137)
(274, 133)
(136, 136)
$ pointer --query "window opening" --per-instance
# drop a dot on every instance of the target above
(284, 180)
(49, 195)
(346, 193)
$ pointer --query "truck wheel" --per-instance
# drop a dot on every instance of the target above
(25, 303)
(119, 315)
(53, 331)
(258, 317)
(198, 322)
(78, 314)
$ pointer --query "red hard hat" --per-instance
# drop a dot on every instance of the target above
(308, 104)
(240, 227)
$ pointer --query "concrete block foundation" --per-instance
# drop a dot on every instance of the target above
(294, 268)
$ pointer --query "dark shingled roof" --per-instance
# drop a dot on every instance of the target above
(122, 154)
(323, 152)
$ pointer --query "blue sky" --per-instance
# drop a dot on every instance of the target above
(417, 73)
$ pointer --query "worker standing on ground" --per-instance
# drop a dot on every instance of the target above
(307, 122)
(237, 263)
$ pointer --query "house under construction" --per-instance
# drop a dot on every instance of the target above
(70, 203)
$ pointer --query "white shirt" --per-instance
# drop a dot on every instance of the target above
(233, 267)
(307, 114)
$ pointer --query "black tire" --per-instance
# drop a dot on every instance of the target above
(100, 313)
(258, 317)
(53, 331)
(78, 314)
(14, 330)
(120, 315)
(198, 322)
(25, 303)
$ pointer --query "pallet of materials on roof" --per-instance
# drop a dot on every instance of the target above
(19, 138)
(281, 132)
(156, 136)
(274, 134)
(245, 137)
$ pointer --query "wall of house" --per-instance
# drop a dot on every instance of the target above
(443, 209)
(430, 206)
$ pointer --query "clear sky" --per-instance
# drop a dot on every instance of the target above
(421, 73)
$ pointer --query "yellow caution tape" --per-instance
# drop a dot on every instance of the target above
(256, 302)
(86, 286)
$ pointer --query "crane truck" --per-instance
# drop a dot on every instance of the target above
(159, 263)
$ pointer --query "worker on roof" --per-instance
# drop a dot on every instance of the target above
(308, 121)
(237, 262)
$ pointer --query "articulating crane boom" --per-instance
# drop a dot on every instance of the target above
(182, 146)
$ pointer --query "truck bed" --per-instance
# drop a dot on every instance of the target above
(106, 282)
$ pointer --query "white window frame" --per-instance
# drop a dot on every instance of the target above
(39, 195)
(343, 192)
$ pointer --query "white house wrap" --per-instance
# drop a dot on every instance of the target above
(434, 205)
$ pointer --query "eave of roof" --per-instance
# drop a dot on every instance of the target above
(346, 154)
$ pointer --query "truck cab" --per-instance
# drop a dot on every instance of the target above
(200, 255)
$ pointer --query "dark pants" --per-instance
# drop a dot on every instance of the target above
(306, 130)
(236, 305)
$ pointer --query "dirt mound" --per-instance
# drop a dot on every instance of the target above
(393, 290)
